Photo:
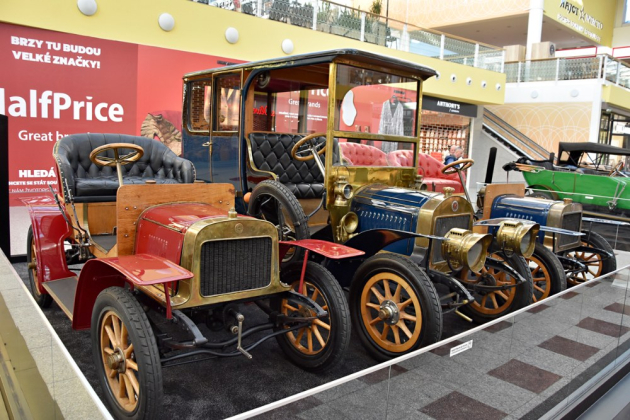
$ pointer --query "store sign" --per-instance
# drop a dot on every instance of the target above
(591, 18)
(430, 103)
(54, 84)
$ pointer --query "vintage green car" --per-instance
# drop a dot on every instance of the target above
(588, 173)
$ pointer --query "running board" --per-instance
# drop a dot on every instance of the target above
(62, 291)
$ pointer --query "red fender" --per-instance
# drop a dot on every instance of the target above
(50, 230)
(327, 249)
(137, 270)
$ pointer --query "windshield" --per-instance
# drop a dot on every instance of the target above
(371, 102)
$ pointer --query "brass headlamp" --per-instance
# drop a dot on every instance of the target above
(343, 191)
(463, 248)
(517, 237)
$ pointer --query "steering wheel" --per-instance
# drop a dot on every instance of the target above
(618, 167)
(452, 168)
(117, 160)
(317, 148)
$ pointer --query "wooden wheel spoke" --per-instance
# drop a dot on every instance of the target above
(373, 305)
(122, 386)
(405, 315)
(315, 295)
(483, 301)
(108, 350)
(289, 307)
(388, 292)
(117, 332)
(493, 297)
(404, 328)
(325, 307)
(375, 321)
(318, 336)
(396, 297)
(298, 338)
(396, 332)
(124, 336)
(134, 381)
(322, 324)
(309, 339)
(111, 335)
(534, 298)
(502, 295)
(131, 364)
(112, 373)
(385, 331)
(377, 294)
(535, 271)
(404, 304)
(540, 289)
(128, 351)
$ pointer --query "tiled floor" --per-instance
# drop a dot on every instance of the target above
(518, 368)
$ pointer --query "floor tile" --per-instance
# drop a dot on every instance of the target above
(525, 375)
(456, 406)
(603, 327)
(569, 348)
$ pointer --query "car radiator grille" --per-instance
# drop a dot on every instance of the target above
(442, 226)
(235, 265)
(570, 222)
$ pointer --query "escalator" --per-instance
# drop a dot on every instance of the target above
(512, 139)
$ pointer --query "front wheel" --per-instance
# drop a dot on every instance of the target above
(394, 306)
(43, 300)
(322, 344)
(126, 356)
(596, 265)
(492, 304)
(547, 273)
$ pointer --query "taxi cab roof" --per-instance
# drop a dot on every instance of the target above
(358, 56)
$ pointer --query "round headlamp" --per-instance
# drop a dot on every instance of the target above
(463, 248)
(517, 237)
(343, 191)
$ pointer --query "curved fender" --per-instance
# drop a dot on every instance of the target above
(327, 249)
(137, 270)
(50, 230)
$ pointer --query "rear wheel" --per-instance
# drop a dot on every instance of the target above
(492, 304)
(595, 264)
(394, 306)
(274, 202)
(322, 344)
(547, 273)
(43, 300)
(126, 356)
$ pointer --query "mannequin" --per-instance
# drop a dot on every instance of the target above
(391, 122)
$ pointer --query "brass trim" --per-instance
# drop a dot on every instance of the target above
(556, 214)
(160, 224)
(250, 161)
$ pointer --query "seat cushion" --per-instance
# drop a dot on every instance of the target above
(108, 185)
(362, 154)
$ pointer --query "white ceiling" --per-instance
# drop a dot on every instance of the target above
(512, 30)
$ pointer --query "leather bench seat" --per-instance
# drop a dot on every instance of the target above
(271, 152)
(429, 167)
(357, 154)
(88, 182)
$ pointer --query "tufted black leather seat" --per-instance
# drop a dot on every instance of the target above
(272, 152)
(89, 182)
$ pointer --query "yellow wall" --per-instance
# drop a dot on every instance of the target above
(549, 123)
(617, 96)
(621, 33)
(200, 28)
(435, 13)
(602, 11)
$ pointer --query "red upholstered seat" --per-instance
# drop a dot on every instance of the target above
(362, 155)
(429, 167)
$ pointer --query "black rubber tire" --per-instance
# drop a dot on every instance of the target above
(259, 207)
(145, 352)
(523, 293)
(395, 265)
(545, 264)
(43, 300)
(594, 240)
(329, 294)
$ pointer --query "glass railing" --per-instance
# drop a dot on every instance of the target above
(556, 69)
(337, 19)
(536, 361)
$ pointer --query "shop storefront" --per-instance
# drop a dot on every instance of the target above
(444, 124)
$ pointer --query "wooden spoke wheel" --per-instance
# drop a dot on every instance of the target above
(596, 265)
(321, 344)
(43, 299)
(391, 312)
(547, 273)
(492, 304)
(126, 355)
(119, 361)
(394, 306)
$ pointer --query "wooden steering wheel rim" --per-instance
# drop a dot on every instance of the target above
(137, 153)
(467, 163)
(301, 142)
(618, 167)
